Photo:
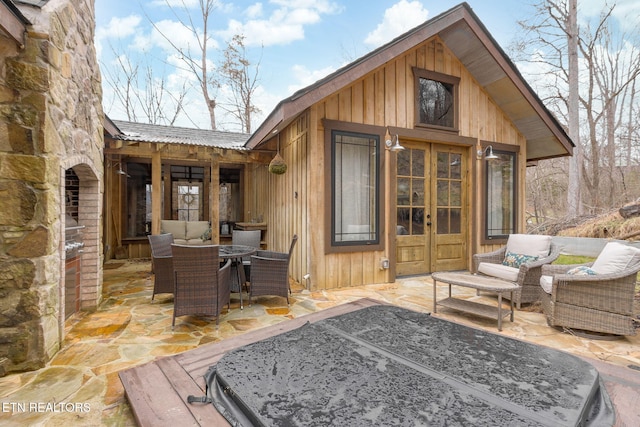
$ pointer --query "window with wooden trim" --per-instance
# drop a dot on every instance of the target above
(355, 189)
(500, 179)
(436, 99)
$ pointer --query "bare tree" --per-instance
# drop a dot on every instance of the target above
(607, 73)
(574, 207)
(241, 78)
(143, 95)
(196, 59)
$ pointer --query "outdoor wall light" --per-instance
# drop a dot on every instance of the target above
(391, 146)
(489, 156)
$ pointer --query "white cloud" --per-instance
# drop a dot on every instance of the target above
(117, 28)
(285, 24)
(169, 35)
(398, 19)
(254, 11)
(627, 12)
(176, 3)
(304, 77)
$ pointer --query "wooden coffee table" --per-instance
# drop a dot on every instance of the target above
(481, 283)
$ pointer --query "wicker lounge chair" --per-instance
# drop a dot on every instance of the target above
(201, 286)
(600, 303)
(270, 273)
(527, 274)
(161, 263)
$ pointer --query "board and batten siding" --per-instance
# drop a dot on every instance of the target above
(295, 202)
(283, 200)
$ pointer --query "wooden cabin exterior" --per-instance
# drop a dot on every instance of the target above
(364, 213)
(452, 97)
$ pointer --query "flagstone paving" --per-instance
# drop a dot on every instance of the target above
(80, 385)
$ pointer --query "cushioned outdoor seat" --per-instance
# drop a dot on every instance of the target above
(519, 261)
(596, 297)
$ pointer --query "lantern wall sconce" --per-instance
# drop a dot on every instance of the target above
(390, 144)
(489, 155)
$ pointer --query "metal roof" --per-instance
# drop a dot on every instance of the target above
(36, 3)
(145, 132)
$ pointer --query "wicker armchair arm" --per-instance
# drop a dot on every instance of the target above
(493, 257)
(553, 269)
(271, 255)
(527, 266)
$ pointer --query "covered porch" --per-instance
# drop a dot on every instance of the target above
(155, 173)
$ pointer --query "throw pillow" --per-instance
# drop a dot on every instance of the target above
(615, 257)
(515, 260)
(582, 270)
(206, 235)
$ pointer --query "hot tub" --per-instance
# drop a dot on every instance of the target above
(386, 365)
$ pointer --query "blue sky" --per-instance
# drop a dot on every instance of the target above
(296, 41)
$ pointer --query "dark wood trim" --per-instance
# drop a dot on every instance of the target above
(13, 23)
(419, 73)
(329, 127)
(433, 135)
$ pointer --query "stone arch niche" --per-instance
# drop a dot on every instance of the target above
(88, 193)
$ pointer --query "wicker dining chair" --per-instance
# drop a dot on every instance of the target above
(246, 238)
(270, 273)
(161, 263)
(201, 285)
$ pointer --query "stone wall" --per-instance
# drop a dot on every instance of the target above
(50, 120)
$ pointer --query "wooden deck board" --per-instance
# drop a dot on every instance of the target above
(157, 391)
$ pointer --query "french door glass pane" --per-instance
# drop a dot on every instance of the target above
(404, 192)
(417, 221)
(449, 193)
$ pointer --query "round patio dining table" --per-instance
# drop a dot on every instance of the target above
(236, 253)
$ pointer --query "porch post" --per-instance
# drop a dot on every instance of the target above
(214, 199)
(156, 191)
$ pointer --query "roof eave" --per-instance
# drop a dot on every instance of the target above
(13, 22)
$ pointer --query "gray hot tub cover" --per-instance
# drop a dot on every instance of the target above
(389, 366)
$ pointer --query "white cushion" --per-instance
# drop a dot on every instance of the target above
(498, 270)
(546, 282)
(529, 244)
(197, 242)
(615, 257)
(177, 228)
(195, 229)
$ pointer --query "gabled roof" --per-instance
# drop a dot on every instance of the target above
(468, 39)
(144, 132)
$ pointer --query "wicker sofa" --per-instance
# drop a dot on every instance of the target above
(187, 232)
(595, 297)
(534, 252)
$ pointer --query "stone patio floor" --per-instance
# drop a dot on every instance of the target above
(80, 385)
